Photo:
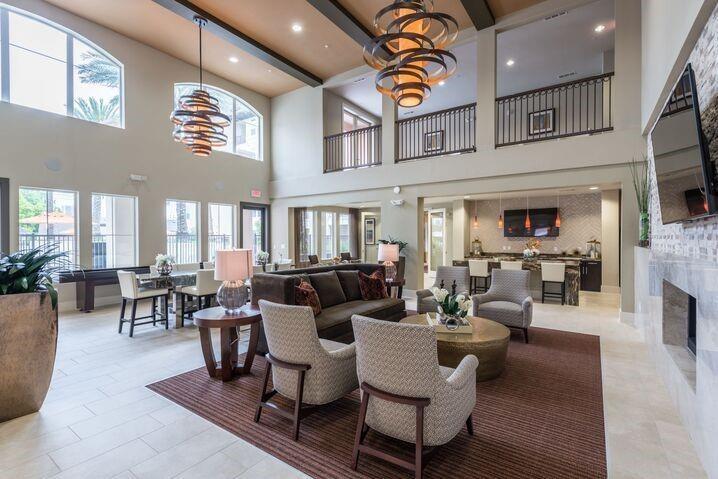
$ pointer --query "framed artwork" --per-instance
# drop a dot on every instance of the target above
(369, 231)
(541, 121)
(434, 141)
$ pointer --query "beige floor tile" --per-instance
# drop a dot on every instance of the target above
(110, 463)
(245, 454)
(40, 423)
(171, 413)
(14, 453)
(166, 437)
(271, 469)
(119, 400)
(37, 468)
(216, 466)
(116, 417)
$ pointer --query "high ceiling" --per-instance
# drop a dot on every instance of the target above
(321, 48)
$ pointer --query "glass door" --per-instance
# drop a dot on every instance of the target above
(254, 226)
(437, 243)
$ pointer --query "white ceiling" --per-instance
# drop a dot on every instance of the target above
(460, 89)
(547, 48)
(568, 190)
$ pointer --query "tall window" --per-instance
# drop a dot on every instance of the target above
(183, 230)
(114, 231)
(344, 243)
(53, 69)
(48, 217)
(328, 225)
(221, 224)
(352, 121)
(244, 132)
(310, 242)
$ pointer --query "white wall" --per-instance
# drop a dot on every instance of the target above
(610, 239)
(97, 158)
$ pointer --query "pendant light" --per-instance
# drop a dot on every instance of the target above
(199, 123)
(527, 222)
(558, 211)
(410, 50)
(501, 214)
(476, 215)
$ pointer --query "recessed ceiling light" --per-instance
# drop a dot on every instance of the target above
(326, 45)
(599, 28)
(296, 28)
(234, 59)
(269, 70)
(593, 188)
(442, 83)
(510, 62)
(466, 197)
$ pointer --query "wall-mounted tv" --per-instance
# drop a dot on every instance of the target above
(684, 172)
(543, 223)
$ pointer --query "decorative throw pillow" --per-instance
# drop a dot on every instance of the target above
(374, 286)
(306, 295)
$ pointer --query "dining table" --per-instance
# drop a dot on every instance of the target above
(173, 281)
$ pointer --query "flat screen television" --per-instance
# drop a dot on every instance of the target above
(684, 171)
(543, 223)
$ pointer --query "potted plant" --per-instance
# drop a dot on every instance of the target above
(28, 328)
(263, 259)
(452, 307)
(164, 264)
(533, 248)
(639, 172)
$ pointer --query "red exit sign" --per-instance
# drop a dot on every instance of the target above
(256, 193)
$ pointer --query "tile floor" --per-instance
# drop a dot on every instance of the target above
(99, 421)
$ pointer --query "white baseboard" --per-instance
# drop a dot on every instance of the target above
(610, 289)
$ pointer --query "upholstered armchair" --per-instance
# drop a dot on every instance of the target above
(508, 301)
(405, 393)
(425, 302)
(309, 370)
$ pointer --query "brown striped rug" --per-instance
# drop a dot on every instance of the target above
(543, 418)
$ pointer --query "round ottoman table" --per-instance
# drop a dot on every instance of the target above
(489, 342)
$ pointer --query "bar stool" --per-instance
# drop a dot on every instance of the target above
(553, 273)
(513, 265)
(131, 292)
(478, 270)
(204, 290)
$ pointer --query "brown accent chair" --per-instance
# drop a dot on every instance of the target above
(313, 259)
(338, 289)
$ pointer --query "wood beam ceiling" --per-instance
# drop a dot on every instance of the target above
(480, 13)
(219, 28)
(341, 17)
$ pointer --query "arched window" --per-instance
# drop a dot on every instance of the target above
(245, 132)
(46, 66)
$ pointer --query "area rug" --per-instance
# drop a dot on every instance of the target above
(542, 418)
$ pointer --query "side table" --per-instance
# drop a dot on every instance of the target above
(395, 283)
(216, 318)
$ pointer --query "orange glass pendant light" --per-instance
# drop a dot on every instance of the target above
(527, 223)
(558, 212)
(501, 214)
(410, 50)
(476, 215)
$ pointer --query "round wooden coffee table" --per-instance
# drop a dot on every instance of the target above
(216, 318)
(489, 342)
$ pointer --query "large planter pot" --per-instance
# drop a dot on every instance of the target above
(28, 342)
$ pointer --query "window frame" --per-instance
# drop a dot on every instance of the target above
(234, 227)
(356, 117)
(136, 229)
(235, 99)
(322, 234)
(70, 63)
(199, 228)
(76, 206)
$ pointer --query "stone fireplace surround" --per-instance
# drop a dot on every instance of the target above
(692, 383)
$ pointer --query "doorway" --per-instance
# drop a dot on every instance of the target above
(435, 239)
(4, 215)
(254, 227)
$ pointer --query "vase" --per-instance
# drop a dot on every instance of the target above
(164, 269)
(645, 226)
(28, 342)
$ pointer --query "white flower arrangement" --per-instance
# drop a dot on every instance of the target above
(164, 260)
(452, 305)
(262, 257)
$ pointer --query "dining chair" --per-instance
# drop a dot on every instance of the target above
(478, 270)
(203, 291)
(313, 259)
(553, 273)
(132, 292)
(208, 265)
(512, 265)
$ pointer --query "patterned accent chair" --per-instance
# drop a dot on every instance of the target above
(425, 302)
(405, 393)
(508, 301)
(310, 370)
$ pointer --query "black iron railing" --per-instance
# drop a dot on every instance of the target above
(445, 132)
(353, 149)
(65, 244)
(184, 248)
(217, 242)
(575, 108)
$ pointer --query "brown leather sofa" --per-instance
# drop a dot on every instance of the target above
(338, 289)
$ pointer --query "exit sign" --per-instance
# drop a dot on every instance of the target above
(256, 193)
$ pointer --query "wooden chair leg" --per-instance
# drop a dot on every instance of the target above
(132, 318)
(359, 436)
(419, 446)
(526, 335)
(298, 404)
(122, 315)
(470, 425)
(262, 392)
(167, 311)
(543, 291)
(563, 294)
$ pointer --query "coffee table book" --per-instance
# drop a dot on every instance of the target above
(464, 328)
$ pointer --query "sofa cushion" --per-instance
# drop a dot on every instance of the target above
(328, 288)
(504, 312)
(350, 284)
(306, 295)
(374, 286)
(342, 313)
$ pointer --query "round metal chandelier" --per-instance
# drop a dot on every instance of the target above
(199, 123)
(411, 50)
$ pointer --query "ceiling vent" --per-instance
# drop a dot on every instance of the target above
(358, 80)
(555, 15)
(566, 75)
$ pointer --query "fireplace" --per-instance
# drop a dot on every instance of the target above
(691, 339)
(679, 318)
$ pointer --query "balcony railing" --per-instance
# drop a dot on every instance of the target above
(353, 149)
(64, 243)
(445, 132)
(575, 108)
(218, 242)
(183, 248)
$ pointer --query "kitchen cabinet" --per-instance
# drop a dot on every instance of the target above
(590, 275)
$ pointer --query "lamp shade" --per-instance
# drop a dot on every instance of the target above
(233, 265)
(389, 252)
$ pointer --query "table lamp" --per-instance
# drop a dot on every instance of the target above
(232, 267)
(389, 254)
